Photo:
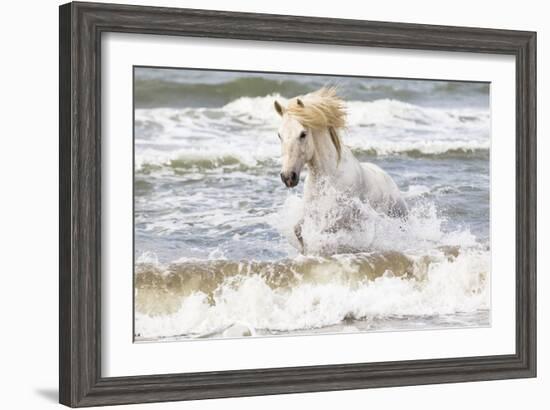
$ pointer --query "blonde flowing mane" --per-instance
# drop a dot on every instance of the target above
(321, 109)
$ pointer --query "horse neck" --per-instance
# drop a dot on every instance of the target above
(325, 158)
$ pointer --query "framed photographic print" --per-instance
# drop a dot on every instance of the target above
(261, 204)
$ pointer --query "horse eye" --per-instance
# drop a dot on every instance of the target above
(303, 135)
(279, 135)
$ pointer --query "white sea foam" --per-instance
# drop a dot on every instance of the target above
(441, 283)
(229, 205)
(366, 229)
(383, 127)
(415, 191)
(449, 286)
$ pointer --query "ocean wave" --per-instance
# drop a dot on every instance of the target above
(196, 88)
(193, 160)
(383, 112)
(458, 150)
(205, 298)
(242, 133)
(163, 93)
(227, 262)
(379, 267)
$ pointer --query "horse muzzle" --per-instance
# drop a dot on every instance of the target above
(290, 179)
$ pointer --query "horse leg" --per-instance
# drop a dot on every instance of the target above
(298, 233)
(399, 209)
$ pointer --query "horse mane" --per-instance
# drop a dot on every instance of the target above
(321, 109)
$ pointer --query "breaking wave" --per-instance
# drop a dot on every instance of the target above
(215, 243)
(378, 128)
(159, 90)
(403, 269)
(204, 299)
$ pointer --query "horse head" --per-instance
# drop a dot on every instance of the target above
(297, 146)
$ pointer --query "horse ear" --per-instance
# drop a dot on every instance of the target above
(300, 102)
(279, 108)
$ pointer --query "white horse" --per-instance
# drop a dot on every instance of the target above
(309, 136)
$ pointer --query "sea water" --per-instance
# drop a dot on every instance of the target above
(215, 248)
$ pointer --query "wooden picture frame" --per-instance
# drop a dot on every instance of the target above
(81, 28)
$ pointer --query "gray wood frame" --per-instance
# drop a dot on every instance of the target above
(81, 27)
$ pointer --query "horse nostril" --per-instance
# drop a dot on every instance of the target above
(290, 179)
